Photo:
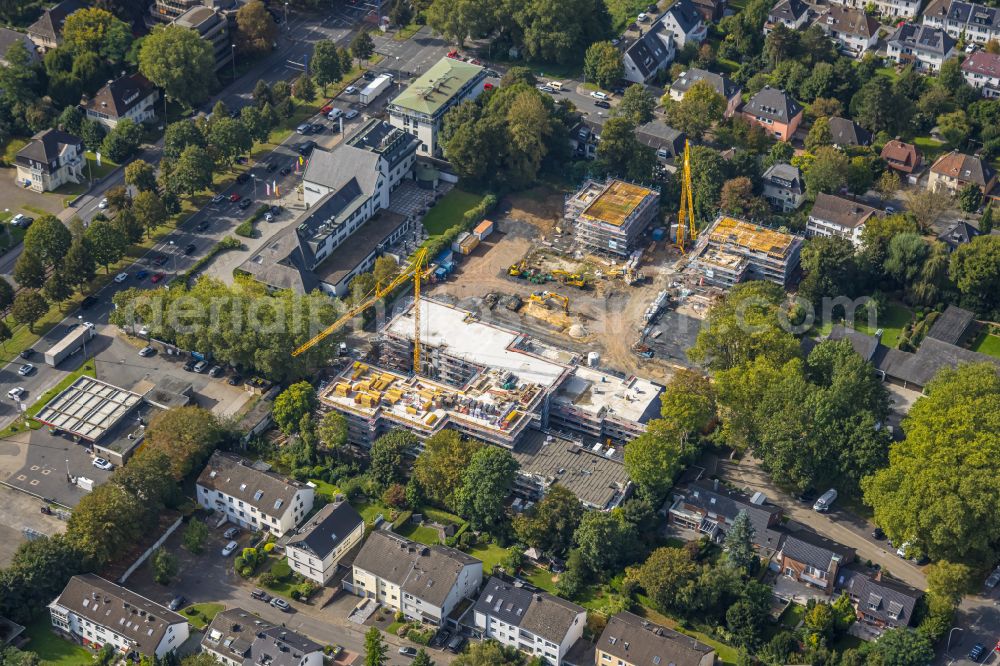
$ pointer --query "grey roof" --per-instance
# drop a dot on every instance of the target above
(657, 135)
(785, 175)
(47, 146)
(720, 83)
(10, 37)
(339, 167)
(951, 325)
(976, 15)
(245, 638)
(773, 104)
(919, 367)
(922, 38)
(788, 11)
(268, 492)
(597, 480)
(965, 168)
(815, 550)
(889, 597)
(685, 14)
(842, 212)
(123, 611)
(381, 138)
(848, 133)
(959, 233)
(864, 345)
(721, 500)
(650, 52)
(426, 572)
(530, 609)
(50, 23)
(636, 641)
(326, 530)
(367, 238)
(850, 21)
(118, 97)
(281, 264)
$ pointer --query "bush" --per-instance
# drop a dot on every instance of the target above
(245, 229)
(268, 547)
(246, 572)
(267, 579)
(399, 617)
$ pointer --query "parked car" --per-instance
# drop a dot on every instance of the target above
(159, 260)
(229, 548)
(215, 371)
(976, 653)
(146, 351)
(599, 94)
(260, 594)
(190, 248)
(189, 366)
(994, 579)
(271, 167)
(304, 128)
(903, 549)
(200, 367)
(268, 217)
(88, 302)
(245, 204)
(825, 501)
(546, 88)
(440, 638)
(602, 104)
(26, 353)
(408, 651)
(157, 277)
(176, 603)
(351, 114)
(103, 204)
(878, 534)
(101, 463)
(203, 225)
(231, 533)
(218, 198)
(26, 370)
(121, 277)
(369, 75)
(326, 109)
(350, 90)
(235, 380)
(334, 113)
(276, 209)
(456, 644)
(234, 197)
(15, 393)
(285, 171)
(280, 604)
(142, 275)
(243, 178)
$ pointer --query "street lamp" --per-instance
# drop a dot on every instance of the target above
(286, 18)
(173, 254)
(234, 61)
(953, 630)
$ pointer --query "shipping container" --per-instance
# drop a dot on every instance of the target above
(456, 244)
(375, 88)
(484, 229)
(468, 245)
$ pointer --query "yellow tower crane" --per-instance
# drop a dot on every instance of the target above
(686, 214)
(416, 270)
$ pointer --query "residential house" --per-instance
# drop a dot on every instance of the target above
(585, 136)
(775, 111)
(814, 560)
(251, 495)
(9, 38)
(958, 234)
(721, 83)
(953, 171)
(709, 508)
(711, 10)
(51, 159)
(528, 619)
(967, 21)
(793, 14)
(685, 22)
(629, 640)
(95, 612)
(212, 27)
(855, 32)
(647, 55)
(424, 582)
(237, 637)
(880, 602)
(131, 96)
(901, 157)
(922, 46)
(421, 108)
(848, 134)
(318, 547)
(732, 250)
(981, 70)
(897, 8)
(46, 32)
(665, 140)
(836, 216)
(783, 187)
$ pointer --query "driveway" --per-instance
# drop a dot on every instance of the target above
(838, 525)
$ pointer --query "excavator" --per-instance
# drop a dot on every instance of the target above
(543, 297)
(572, 279)
(516, 270)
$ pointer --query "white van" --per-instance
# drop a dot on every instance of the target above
(825, 501)
(556, 85)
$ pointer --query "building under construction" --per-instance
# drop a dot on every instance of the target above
(486, 382)
(732, 251)
(610, 216)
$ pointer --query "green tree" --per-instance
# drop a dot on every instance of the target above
(400, 13)
(888, 184)
(654, 458)
(700, 108)
(386, 456)
(164, 565)
(876, 107)
(975, 270)
(737, 198)
(550, 524)
(188, 434)
(954, 127)
(6, 294)
(362, 46)
(947, 509)
(970, 198)
(927, 206)
(257, 124)
(906, 255)
(439, 467)
(178, 60)
(602, 64)
(92, 30)
(29, 306)
(422, 658)
(828, 171)
(255, 28)
(106, 244)
(819, 624)
(122, 141)
(79, 262)
(636, 104)
(900, 647)
(29, 270)
(228, 139)
(604, 541)
(149, 210)
(747, 619)
(831, 269)
(665, 575)
(947, 583)
(819, 135)
(486, 483)
(292, 404)
(92, 134)
(304, 88)
(57, 287)
(458, 19)
(490, 653)
(333, 431)
(5, 334)
(620, 153)
(325, 64)
(376, 650)
(179, 135)
(986, 221)
(141, 175)
(192, 171)
(48, 239)
(739, 544)
(195, 536)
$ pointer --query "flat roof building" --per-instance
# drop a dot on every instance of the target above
(731, 251)
(88, 408)
(212, 27)
(420, 109)
(610, 216)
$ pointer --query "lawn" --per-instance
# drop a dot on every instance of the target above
(324, 489)
(490, 554)
(987, 343)
(86, 369)
(439, 516)
(792, 616)
(201, 615)
(420, 533)
(892, 322)
(370, 509)
(406, 32)
(929, 146)
(52, 648)
(888, 72)
(448, 212)
(13, 147)
(542, 578)
(284, 581)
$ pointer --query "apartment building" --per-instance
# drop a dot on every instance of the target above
(528, 619)
(652, 52)
(252, 496)
(710, 508)
(722, 84)
(922, 46)
(814, 560)
(783, 187)
(731, 251)
(835, 216)
(51, 159)
(132, 97)
(775, 111)
(967, 21)
(981, 70)
(212, 27)
(95, 612)
(318, 547)
(237, 637)
(629, 640)
(610, 216)
(853, 30)
(420, 109)
(905, 9)
(425, 583)
(953, 171)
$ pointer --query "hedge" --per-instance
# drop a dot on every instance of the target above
(246, 228)
(227, 243)
(436, 244)
(401, 519)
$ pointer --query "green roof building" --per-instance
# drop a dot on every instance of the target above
(420, 109)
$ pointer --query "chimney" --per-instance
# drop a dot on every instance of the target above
(715, 484)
